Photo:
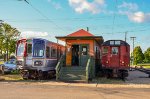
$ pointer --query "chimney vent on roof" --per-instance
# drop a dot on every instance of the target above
(87, 29)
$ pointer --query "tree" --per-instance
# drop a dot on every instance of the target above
(138, 55)
(8, 38)
(147, 56)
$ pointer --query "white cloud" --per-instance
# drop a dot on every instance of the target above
(129, 6)
(43, 35)
(131, 11)
(139, 17)
(81, 6)
(28, 34)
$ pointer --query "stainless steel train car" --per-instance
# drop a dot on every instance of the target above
(37, 58)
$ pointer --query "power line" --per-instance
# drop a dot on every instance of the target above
(42, 14)
(114, 17)
(121, 32)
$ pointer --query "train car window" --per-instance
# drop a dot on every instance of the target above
(84, 50)
(47, 52)
(105, 50)
(53, 52)
(112, 42)
(115, 50)
(29, 49)
(117, 42)
(38, 48)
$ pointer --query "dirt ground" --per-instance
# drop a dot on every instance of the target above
(14, 90)
(137, 85)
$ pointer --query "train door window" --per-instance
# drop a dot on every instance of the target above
(53, 52)
(105, 50)
(84, 50)
(29, 48)
(47, 52)
(114, 50)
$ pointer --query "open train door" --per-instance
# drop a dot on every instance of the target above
(115, 57)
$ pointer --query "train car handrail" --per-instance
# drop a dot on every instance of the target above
(89, 69)
(59, 66)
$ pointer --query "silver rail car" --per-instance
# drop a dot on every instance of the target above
(37, 58)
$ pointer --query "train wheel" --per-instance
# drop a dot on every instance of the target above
(109, 73)
(25, 75)
(40, 75)
(51, 74)
(124, 74)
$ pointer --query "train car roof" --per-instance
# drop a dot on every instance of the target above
(115, 43)
(39, 39)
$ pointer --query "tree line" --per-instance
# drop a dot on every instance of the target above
(8, 39)
(140, 57)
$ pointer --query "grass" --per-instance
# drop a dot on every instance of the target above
(146, 65)
(1, 62)
(11, 77)
(99, 80)
(104, 80)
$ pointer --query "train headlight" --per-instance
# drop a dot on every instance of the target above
(122, 62)
(38, 63)
(107, 62)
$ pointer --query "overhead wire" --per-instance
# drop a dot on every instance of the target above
(114, 17)
(43, 15)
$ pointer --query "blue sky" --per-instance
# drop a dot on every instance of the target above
(107, 18)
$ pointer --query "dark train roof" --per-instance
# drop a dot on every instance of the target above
(115, 43)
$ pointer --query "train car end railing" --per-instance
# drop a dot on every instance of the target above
(59, 66)
(89, 69)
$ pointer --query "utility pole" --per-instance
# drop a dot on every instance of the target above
(133, 39)
(126, 36)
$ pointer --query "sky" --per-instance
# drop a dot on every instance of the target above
(108, 18)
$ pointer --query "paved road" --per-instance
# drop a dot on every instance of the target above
(41, 91)
(137, 77)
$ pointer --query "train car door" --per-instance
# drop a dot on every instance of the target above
(115, 57)
(84, 54)
(29, 53)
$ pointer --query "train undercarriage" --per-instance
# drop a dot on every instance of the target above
(114, 73)
(37, 74)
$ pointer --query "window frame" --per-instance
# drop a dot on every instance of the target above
(116, 51)
(53, 48)
(105, 52)
(49, 52)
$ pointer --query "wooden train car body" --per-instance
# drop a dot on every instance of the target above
(115, 58)
(37, 56)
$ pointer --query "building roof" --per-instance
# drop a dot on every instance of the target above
(80, 33)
